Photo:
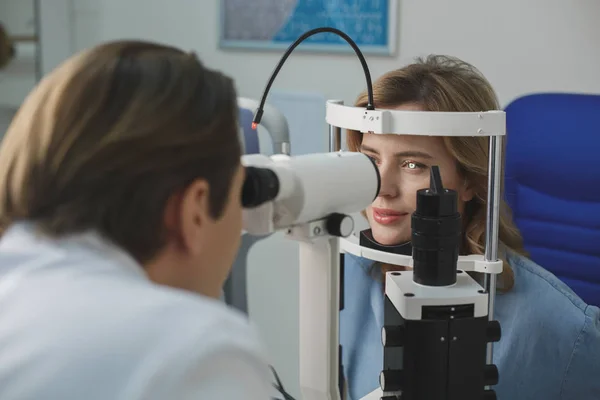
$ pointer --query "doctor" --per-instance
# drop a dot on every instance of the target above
(120, 215)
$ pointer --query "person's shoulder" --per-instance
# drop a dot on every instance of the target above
(202, 346)
(207, 317)
(580, 381)
(155, 319)
(543, 285)
(542, 304)
(563, 321)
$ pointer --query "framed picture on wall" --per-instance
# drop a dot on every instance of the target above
(276, 24)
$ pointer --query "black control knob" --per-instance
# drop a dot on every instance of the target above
(494, 331)
(391, 380)
(489, 395)
(339, 225)
(490, 375)
(392, 336)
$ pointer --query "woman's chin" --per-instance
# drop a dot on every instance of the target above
(389, 238)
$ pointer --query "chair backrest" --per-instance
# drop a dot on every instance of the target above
(553, 184)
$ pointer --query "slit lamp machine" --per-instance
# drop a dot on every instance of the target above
(439, 325)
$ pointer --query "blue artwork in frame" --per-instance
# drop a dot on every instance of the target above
(276, 24)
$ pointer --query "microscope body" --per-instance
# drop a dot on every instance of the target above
(438, 320)
(434, 341)
(436, 324)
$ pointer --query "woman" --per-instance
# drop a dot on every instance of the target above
(550, 347)
(120, 211)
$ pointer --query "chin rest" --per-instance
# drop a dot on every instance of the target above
(367, 240)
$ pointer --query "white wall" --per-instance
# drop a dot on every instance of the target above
(19, 77)
(57, 20)
(521, 46)
(18, 16)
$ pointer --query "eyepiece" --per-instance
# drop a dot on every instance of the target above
(260, 185)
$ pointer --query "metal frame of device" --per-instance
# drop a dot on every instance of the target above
(320, 285)
(235, 289)
(274, 122)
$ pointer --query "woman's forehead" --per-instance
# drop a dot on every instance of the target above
(392, 143)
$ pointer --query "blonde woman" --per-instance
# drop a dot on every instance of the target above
(550, 348)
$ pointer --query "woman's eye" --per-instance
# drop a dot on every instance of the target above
(412, 165)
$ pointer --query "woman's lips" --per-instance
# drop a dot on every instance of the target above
(386, 216)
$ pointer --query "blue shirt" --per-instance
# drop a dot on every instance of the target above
(550, 346)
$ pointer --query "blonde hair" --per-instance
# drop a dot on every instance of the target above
(442, 83)
(107, 138)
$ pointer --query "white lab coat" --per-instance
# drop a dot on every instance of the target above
(79, 320)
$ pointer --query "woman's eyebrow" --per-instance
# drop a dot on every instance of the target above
(402, 154)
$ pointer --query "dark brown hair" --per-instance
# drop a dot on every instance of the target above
(442, 83)
(108, 137)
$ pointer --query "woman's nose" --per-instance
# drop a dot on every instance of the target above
(389, 181)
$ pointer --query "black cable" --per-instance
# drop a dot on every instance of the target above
(259, 112)
(279, 386)
(306, 35)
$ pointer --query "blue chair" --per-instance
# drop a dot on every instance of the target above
(553, 184)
